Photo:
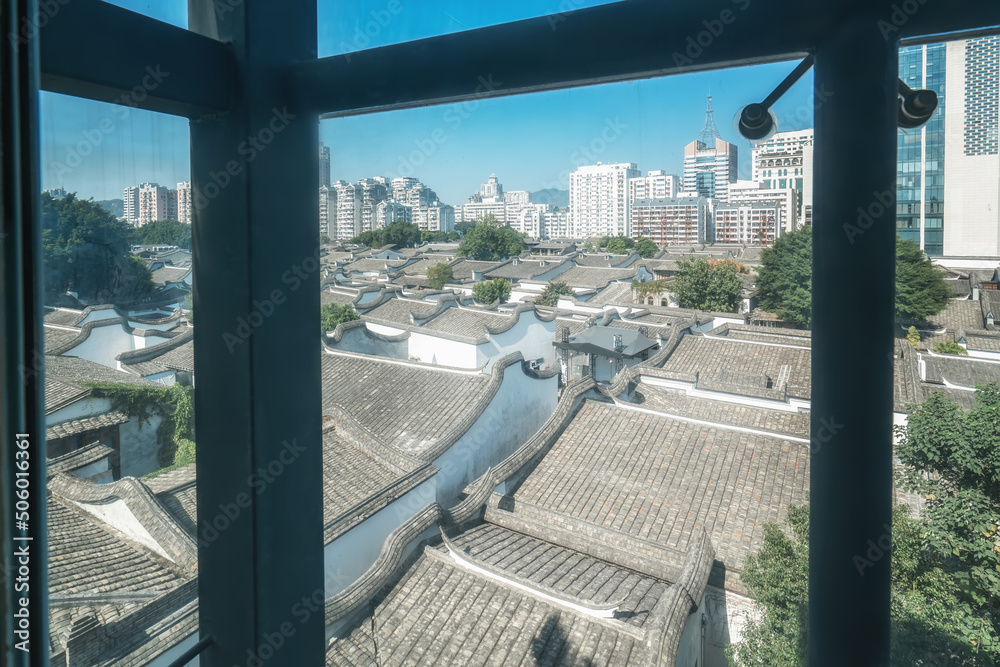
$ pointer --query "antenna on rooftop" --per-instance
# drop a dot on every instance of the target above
(709, 133)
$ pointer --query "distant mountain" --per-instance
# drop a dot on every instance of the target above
(115, 206)
(552, 196)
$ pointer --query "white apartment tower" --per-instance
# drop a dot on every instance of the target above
(785, 161)
(149, 202)
(657, 184)
(184, 202)
(598, 199)
(347, 222)
(710, 164)
(327, 211)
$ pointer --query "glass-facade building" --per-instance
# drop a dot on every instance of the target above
(920, 179)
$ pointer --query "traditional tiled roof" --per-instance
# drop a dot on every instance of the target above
(414, 420)
(401, 311)
(617, 293)
(77, 459)
(960, 370)
(595, 277)
(177, 492)
(63, 316)
(328, 296)
(602, 260)
(525, 269)
(710, 356)
(57, 338)
(77, 370)
(959, 314)
(464, 269)
(82, 425)
(985, 341)
(375, 265)
(660, 479)
(170, 273)
(798, 337)
(60, 394)
(444, 614)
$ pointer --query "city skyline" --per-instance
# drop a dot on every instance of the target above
(531, 141)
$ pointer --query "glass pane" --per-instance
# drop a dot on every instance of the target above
(119, 382)
(601, 193)
(368, 24)
(174, 12)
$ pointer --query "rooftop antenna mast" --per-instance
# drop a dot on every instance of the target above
(709, 133)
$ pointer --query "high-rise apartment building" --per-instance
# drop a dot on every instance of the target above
(324, 165)
(148, 202)
(411, 192)
(517, 197)
(783, 161)
(435, 217)
(785, 201)
(598, 199)
(710, 164)
(327, 211)
(679, 220)
(347, 222)
(656, 184)
(389, 211)
(373, 191)
(184, 202)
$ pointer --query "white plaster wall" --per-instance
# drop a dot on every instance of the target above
(139, 446)
(689, 650)
(87, 407)
(350, 555)
(531, 337)
(356, 340)
(519, 408)
(117, 515)
(728, 614)
(97, 315)
(165, 326)
(382, 329)
(442, 351)
(982, 354)
(95, 471)
(104, 344)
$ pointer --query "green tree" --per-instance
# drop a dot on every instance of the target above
(87, 250)
(950, 347)
(550, 295)
(402, 234)
(324, 239)
(920, 287)
(489, 291)
(913, 337)
(333, 314)
(702, 286)
(952, 459)
(924, 604)
(439, 274)
(164, 232)
(784, 281)
(490, 240)
(645, 247)
(616, 246)
(464, 227)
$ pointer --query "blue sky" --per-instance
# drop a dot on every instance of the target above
(530, 141)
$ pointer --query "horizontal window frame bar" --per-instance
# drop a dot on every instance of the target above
(98, 51)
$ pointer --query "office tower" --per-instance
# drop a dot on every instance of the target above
(710, 164)
(324, 165)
